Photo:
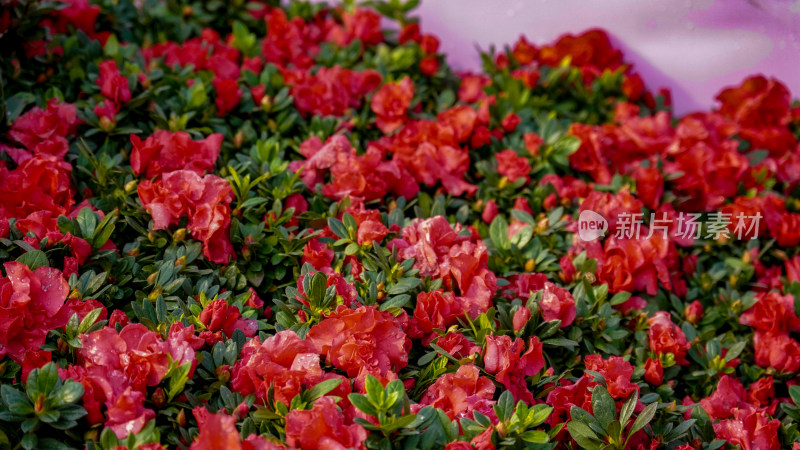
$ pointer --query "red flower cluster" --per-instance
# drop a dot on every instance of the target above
(330, 91)
(556, 303)
(361, 342)
(165, 151)
(284, 362)
(511, 363)
(773, 317)
(440, 251)
(116, 369)
(204, 199)
(367, 176)
(219, 317)
(43, 131)
(390, 104)
(459, 394)
(31, 304)
(744, 413)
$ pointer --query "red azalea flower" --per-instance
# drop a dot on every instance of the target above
(32, 304)
(591, 50)
(617, 373)
(524, 52)
(749, 428)
(666, 337)
(521, 317)
(532, 143)
(362, 339)
(34, 359)
(556, 302)
(363, 24)
(330, 91)
(457, 345)
(654, 372)
(165, 151)
(564, 397)
(694, 312)
(390, 104)
(777, 350)
(471, 89)
(57, 120)
(757, 102)
(434, 310)
(772, 312)
(205, 200)
(511, 363)
(217, 431)
(319, 255)
(728, 396)
(112, 84)
(512, 166)
(649, 186)
(461, 393)
(761, 392)
(219, 316)
(323, 426)
(228, 95)
(284, 362)
(300, 205)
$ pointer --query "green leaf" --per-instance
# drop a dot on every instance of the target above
(644, 417)
(794, 392)
(16, 104)
(620, 298)
(178, 379)
(535, 437)
(505, 406)
(34, 259)
(363, 404)
(603, 406)
(70, 392)
(89, 320)
(584, 435)
(628, 407)
(42, 381)
(498, 232)
(338, 228)
(322, 388)
(374, 389)
(87, 222)
(404, 285)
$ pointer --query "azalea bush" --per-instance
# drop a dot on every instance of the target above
(255, 225)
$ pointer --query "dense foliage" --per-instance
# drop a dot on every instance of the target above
(240, 225)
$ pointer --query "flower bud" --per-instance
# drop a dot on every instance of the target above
(694, 312)
(521, 318)
(223, 373)
(181, 418)
(130, 186)
(266, 103)
(106, 124)
(157, 291)
(179, 235)
(159, 398)
(530, 265)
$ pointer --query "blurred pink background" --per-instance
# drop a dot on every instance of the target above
(693, 47)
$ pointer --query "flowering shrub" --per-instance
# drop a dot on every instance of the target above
(247, 225)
